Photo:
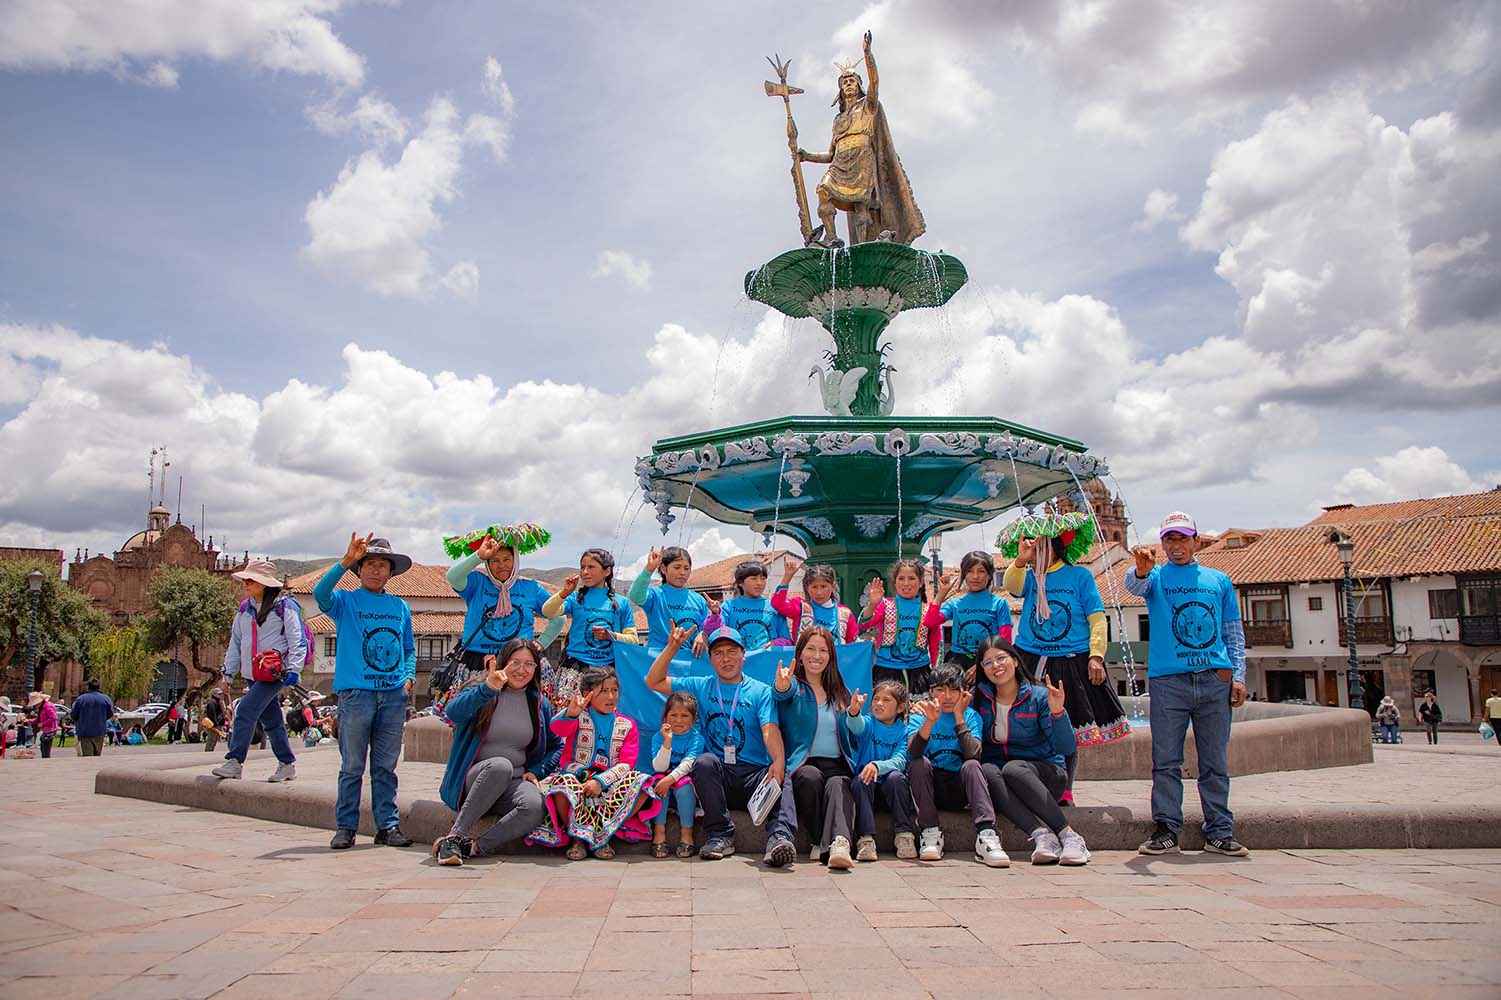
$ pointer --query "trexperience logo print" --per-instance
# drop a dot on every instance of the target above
(382, 649)
(1195, 625)
(1060, 620)
(718, 728)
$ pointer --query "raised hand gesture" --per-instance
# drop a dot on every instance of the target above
(680, 635)
(947, 586)
(653, 560)
(929, 709)
(577, 703)
(867, 43)
(714, 605)
(700, 644)
(857, 702)
(961, 703)
(495, 674)
(790, 566)
(1026, 551)
(488, 546)
(1055, 697)
(569, 585)
(1145, 561)
(666, 733)
(784, 676)
(875, 591)
(869, 773)
(356, 549)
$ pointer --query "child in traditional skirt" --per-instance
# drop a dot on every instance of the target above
(817, 606)
(673, 752)
(598, 793)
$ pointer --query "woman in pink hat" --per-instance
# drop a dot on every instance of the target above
(267, 622)
(43, 713)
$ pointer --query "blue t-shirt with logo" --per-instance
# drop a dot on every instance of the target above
(882, 740)
(480, 594)
(1188, 606)
(595, 607)
(905, 653)
(684, 745)
(943, 744)
(1072, 598)
(375, 649)
(755, 619)
(977, 616)
(754, 709)
(667, 606)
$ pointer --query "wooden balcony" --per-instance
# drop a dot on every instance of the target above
(1368, 631)
(1480, 629)
(1269, 633)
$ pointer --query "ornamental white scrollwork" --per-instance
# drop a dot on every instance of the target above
(873, 525)
(898, 443)
(882, 299)
(922, 524)
(788, 444)
(819, 527)
(754, 449)
(674, 462)
(708, 458)
(956, 443)
(845, 443)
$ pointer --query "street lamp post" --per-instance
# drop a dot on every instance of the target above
(33, 584)
(1346, 549)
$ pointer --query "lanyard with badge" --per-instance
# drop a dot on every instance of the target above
(729, 725)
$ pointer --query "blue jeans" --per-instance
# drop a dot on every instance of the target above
(1176, 700)
(684, 801)
(1388, 733)
(370, 724)
(262, 705)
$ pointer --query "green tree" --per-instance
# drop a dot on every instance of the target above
(66, 620)
(123, 663)
(192, 606)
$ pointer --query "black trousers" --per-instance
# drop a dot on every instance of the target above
(1432, 731)
(719, 786)
(1026, 792)
(895, 792)
(825, 803)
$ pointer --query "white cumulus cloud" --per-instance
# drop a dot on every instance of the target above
(1161, 206)
(635, 271)
(1409, 473)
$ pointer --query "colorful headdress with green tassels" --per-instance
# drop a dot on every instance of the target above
(1074, 529)
(523, 538)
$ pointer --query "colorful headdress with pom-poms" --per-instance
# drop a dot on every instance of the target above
(523, 538)
(1074, 529)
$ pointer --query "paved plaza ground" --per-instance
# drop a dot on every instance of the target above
(118, 897)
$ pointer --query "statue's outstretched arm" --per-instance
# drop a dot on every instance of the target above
(870, 72)
(807, 157)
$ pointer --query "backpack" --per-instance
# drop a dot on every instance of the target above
(307, 630)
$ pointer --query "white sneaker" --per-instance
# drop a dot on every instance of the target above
(1046, 848)
(839, 854)
(988, 849)
(283, 772)
(228, 769)
(932, 845)
(1074, 852)
(906, 846)
(865, 849)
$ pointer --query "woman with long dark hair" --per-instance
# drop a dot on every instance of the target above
(502, 748)
(820, 720)
(267, 621)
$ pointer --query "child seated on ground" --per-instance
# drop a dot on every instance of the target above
(883, 767)
(943, 753)
(598, 793)
(673, 752)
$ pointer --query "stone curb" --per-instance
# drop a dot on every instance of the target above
(1106, 828)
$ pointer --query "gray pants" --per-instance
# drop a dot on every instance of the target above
(90, 746)
(1026, 792)
(493, 786)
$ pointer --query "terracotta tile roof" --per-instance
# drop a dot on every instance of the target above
(1464, 505)
(721, 575)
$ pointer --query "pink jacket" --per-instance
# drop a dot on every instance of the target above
(579, 741)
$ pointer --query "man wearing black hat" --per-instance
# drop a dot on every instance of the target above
(374, 662)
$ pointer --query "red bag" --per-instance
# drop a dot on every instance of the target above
(265, 666)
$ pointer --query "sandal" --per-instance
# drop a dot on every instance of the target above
(686, 850)
(658, 849)
(604, 852)
(576, 851)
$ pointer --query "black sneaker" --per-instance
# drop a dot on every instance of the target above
(1228, 846)
(717, 847)
(392, 836)
(452, 850)
(343, 840)
(1162, 841)
(780, 853)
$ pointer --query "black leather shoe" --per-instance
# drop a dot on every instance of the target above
(343, 840)
(392, 837)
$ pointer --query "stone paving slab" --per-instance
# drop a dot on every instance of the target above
(1402, 799)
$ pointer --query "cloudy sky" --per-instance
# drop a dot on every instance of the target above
(415, 267)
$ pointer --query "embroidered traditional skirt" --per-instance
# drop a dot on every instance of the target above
(1093, 709)
(571, 814)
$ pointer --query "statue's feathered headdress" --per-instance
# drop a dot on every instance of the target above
(846, 69)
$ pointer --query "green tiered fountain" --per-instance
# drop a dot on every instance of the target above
(859, 486)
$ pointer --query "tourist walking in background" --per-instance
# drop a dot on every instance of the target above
(1197, 673)
(1063, 632)
(1493, 715)
(43, 715)
(266, 648)
(7, 724)
(1430, 714)
(375, 659)
(502, 748)
(212, 727)
(1390, 720)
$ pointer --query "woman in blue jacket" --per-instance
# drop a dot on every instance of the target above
(502, 747)
(820, 721)
(1025, 738)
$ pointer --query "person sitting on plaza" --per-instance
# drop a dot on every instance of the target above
(92, 713)
(43, 714)
(1430, 714)
(675, 750)
(821, 723)
(1197, 672)
(882, 756)
(375, 660)
(1389, 718)
(744, 745)
(943, 765)
(503, 746)
(267, 621)
(1025, 737)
